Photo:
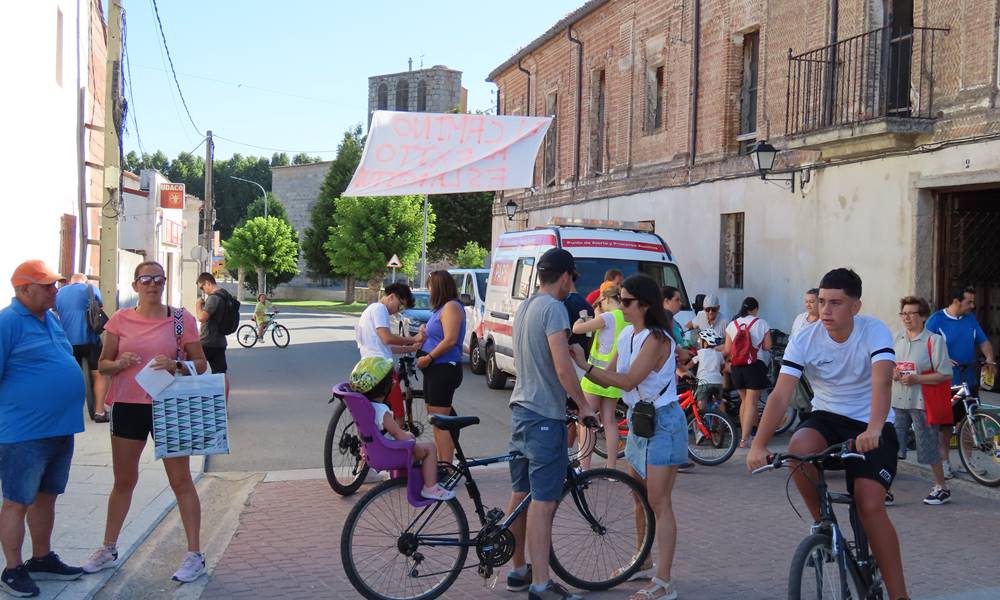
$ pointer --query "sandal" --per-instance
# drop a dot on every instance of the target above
(653, 593)
(642, 573)
(743, 443)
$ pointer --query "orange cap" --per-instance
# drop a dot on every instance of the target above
(34, 271)
(605, 285)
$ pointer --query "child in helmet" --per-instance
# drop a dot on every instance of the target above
(709, 360)
(372, 377)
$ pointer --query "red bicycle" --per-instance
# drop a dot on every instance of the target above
(711, 434)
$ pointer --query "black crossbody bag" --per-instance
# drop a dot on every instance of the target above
(643, 422)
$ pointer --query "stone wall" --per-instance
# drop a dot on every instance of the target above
(443, 90)
(297, 187)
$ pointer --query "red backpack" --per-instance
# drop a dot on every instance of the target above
(744, 352)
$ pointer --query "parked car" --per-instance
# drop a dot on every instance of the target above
(412, 318)
(471, 284)
(596, 245)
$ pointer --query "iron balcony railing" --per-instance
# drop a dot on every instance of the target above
(886, 72)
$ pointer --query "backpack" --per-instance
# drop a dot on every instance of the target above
(96, 317)
(227, 319)
(744, 352)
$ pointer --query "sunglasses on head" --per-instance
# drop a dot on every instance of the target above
(148, 279)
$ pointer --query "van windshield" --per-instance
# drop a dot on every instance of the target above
(481, 280)
(592, 271)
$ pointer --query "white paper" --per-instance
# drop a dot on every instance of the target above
(153, 380)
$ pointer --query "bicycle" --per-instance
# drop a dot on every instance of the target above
(826, 564)
(248, 335)
(343, 459)
(389, 547)
(978, 437)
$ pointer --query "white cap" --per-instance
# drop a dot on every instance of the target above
(711, 300)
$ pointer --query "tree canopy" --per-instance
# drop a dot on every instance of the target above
(471, 256)
(464, 218)
(267, 244)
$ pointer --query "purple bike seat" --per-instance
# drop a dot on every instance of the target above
(382, 453)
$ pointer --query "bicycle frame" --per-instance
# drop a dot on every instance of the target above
(686, 401)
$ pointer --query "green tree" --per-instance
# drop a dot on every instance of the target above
(321, 217)
(471, 256)
(263, 245)
(465, 218)
(304, 159)
(274, 209)
(369, 230)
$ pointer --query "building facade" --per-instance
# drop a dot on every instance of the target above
(438, 89)
(884, 113)
(297, 188)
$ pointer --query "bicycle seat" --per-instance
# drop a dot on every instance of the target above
(449, 423)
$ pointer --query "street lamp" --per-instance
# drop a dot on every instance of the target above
(762, 155)
(263, 284)
(511, 209)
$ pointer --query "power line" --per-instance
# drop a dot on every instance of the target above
(163, 36)
(272, 149)
(128, 75)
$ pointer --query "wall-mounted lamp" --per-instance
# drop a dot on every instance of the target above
(511, 209)
(763, 154)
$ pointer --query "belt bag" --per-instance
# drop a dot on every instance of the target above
(643, 421)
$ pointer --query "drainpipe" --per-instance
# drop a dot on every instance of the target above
(831, 76)
(528, 96)
(579, 101)
(695, 64)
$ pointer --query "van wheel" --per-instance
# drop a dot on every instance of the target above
(495, 378)
(476, 363)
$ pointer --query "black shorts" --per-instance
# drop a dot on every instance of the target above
(92, 352)
(440, 382)
(216, 357)
(879, 464)
(750, 377)
(131, 421)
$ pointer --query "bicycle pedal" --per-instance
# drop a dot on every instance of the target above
(485, 571)
(494, 516)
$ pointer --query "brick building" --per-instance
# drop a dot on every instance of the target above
(884, 113)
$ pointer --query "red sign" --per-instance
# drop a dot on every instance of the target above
(172, 195)
(617, 244)
(171, 232)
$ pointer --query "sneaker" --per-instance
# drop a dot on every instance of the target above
(105, 557)
(949, 473)
(437, 493)
(685, 466)
(101, 418)
(938, 496)
(17, 582)
(49, 567)
(901, 455)
(192, 567)
(889, 499)
(519, 583)
(552, 591)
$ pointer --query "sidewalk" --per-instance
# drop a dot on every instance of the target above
(80, 512)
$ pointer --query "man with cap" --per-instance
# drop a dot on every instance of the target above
(41, 408)
(545, 375)
(709, 317)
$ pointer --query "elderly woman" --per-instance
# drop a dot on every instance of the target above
(921, 359)
(644, 369)
(709, 317)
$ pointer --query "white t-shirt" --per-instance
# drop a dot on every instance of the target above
(369, 343)
(801, 321)
(381, 410)
(606, 334)
(841, 373)
(649, 388)
(757, 332)
(701, 322)
(709, 361)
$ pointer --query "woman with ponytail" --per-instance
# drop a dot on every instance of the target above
(747, 336)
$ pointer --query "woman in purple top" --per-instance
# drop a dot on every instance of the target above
(440, 357)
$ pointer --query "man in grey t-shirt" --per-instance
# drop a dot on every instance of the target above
(545, 375)
(210, 310)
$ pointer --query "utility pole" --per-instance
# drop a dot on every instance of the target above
(209, 205)
(112, 160)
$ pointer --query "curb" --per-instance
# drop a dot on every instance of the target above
(961, 482)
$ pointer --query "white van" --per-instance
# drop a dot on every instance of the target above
(596, 246)
(471, 284)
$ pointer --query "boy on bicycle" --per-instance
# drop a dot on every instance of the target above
(849, 362)
(260, 311)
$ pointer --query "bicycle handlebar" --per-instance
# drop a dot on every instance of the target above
(842, 451)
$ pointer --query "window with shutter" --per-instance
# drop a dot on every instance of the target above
(748, 89)
(649, 120)
(551, 139)
(731, 251)
(597, 124)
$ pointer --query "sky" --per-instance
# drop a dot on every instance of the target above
(292, 76)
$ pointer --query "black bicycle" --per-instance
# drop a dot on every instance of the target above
(343, 459)
(826, 564)
(601, 534)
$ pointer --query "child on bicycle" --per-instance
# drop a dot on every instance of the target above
(709, 360)
(372, 377)
(260, 314)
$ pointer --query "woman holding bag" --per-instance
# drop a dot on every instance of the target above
(644, 369)
(136, 336)
(921, 394)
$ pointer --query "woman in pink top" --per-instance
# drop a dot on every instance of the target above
(136, 336)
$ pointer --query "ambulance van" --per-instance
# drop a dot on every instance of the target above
(596, 246)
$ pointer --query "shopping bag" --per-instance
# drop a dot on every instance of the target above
(937, 397)
(189, 416)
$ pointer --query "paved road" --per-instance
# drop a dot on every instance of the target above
(278, 404)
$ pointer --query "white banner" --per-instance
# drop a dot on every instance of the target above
(445, 153)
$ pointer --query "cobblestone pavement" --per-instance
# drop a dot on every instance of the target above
(736, 536)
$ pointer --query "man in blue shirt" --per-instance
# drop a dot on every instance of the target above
(71, 304)
(963, 335)
(41, 402)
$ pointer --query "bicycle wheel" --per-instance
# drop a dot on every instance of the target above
(979, 448)
(716, 443)
(605, 552)
(786, 422)
(815, 574)
(345, 468)
(246, 335)
(279, 335)
(88, 387)
(388, 550)
(601, 445)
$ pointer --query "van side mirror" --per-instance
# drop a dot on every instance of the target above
(466, 300)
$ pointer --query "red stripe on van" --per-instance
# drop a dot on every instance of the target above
(501, 328)
(619, 244)
(540, 239)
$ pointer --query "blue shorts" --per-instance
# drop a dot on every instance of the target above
(542, 441)
(33, 466)
(667, 447)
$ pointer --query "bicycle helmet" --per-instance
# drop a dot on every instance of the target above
(369, 372)
(710, 337)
